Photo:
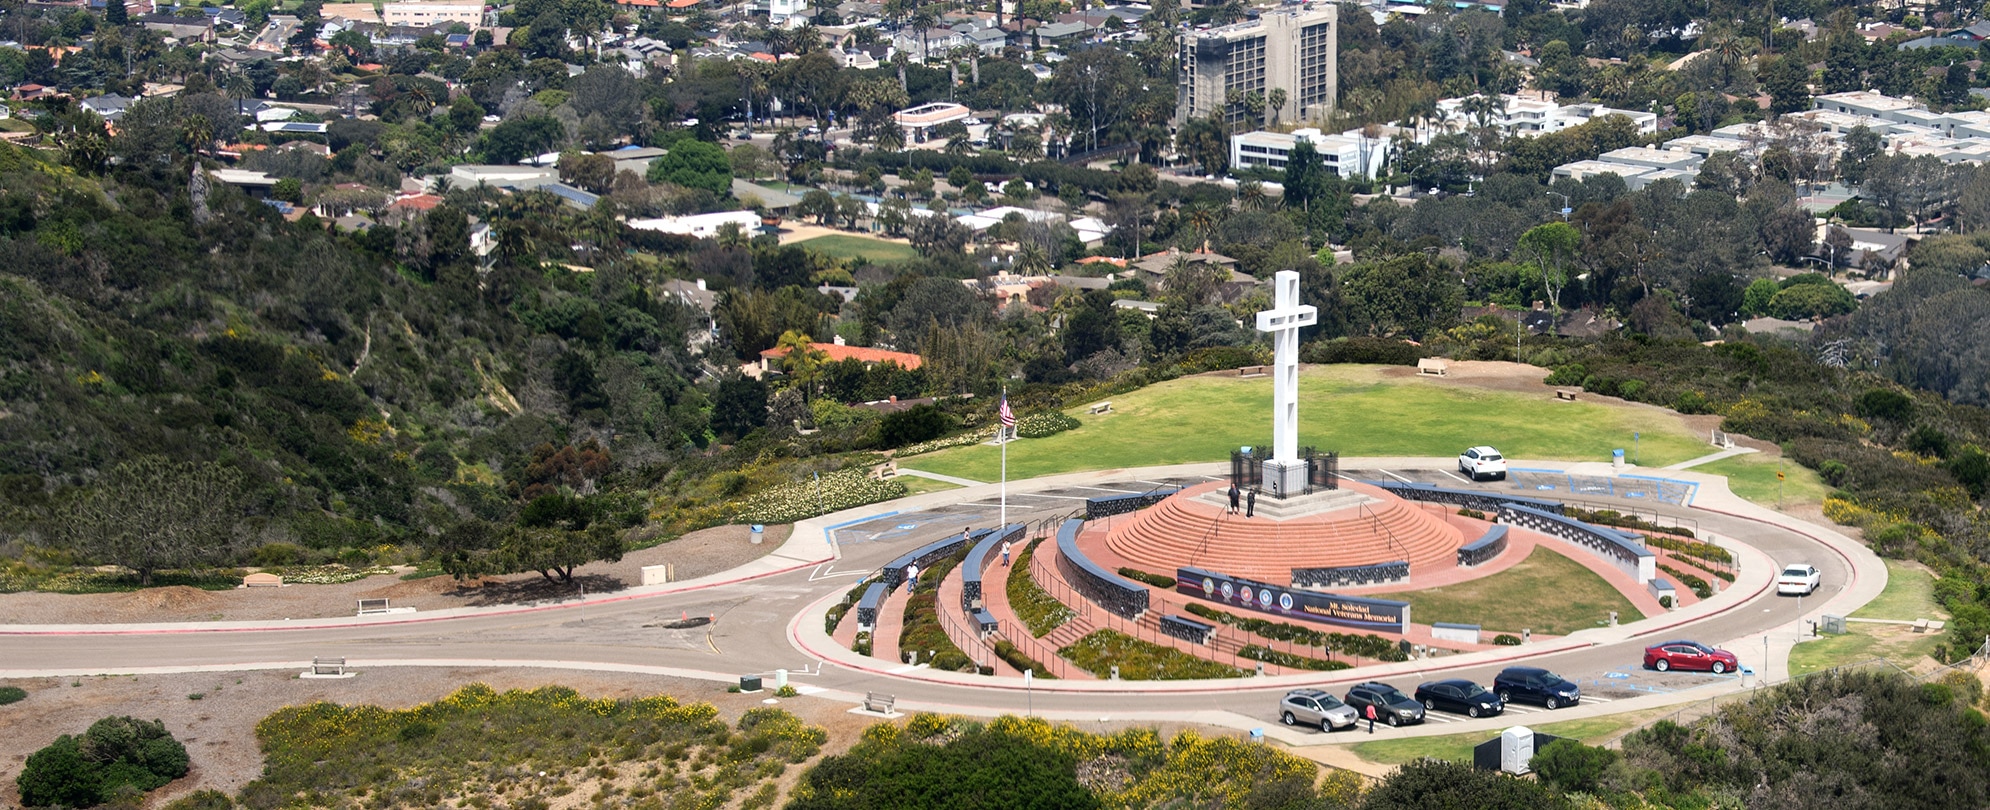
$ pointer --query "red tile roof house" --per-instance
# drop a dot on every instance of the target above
(770, 359)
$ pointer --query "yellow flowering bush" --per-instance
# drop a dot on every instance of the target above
(477, 745)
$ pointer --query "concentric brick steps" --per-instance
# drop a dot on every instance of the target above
(1181, 532)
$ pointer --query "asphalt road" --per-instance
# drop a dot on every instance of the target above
(750, 631)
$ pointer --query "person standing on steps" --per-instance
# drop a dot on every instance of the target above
(1251, 504)
(1371, 718)
(1233, 498)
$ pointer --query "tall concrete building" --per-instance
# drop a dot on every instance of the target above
(1291, 49)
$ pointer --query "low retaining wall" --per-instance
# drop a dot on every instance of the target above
(1626, 551)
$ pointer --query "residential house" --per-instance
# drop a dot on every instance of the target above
(109, 106)
(770, 359)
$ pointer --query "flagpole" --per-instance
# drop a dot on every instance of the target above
(1001, 430)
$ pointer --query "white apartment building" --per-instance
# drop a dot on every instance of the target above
(425, 13)
(1348, 153)
(1294, 50)
(1515, 115)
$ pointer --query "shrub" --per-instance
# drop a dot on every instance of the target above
(786, 691)
(862, 646)
(1015, 658)
(1572, 766)
(1692, 402)
(12, 694)
(808, 497)
(1472, 513)
(919, 423)
(116, 755)
(203, 800)
(1571, 374)
(1665, 601)
(1506, 640)
(1383, 351)
(1040, 611)
(1700, 587)
(1288, 660)
(1155, 580)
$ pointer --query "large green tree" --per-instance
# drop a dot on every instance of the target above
(694, 164)
(152, 513)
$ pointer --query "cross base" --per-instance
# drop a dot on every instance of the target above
(1284, 479)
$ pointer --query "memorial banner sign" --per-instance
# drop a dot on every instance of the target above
(1351, 611)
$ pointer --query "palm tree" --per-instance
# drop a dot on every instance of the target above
(1201, 218)
(959, 145)
(803, 362)
(1251, 195)
(1254, 105)
(1275, 104)
(1032, 260)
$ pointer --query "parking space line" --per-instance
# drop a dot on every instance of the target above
(1454, 476)
(1395, 476)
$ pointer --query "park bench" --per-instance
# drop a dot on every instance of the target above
(1252, 371)
(1433, 366)
(879, 702)
(367, 606)
(1565, 394)
(1100, 407)
(328, 666)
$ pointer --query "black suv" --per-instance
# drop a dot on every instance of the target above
(1391, 705)
(1536, 685)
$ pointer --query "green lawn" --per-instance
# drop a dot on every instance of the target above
(1514, 599)
(1754, 477)
(1909, 595)
(1347, 408)
(842, 246)
(915, 485)
(1458, 747)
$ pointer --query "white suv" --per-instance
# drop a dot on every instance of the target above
(1482, 462)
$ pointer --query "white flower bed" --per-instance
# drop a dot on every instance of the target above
(962, 440)
(804, 499)
(1039, 425)
(323, 574)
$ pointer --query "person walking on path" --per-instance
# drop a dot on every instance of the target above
(1371, 718)
(911, 578)
(1233, 498)
(1251, 504)
(1005, 554)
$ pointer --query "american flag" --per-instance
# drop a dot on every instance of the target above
(1008, 416)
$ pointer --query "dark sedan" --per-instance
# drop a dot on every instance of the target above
(1536, 685)
(1459, 696)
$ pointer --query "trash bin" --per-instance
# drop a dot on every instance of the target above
(780, 678)
(1747, 677)
(1257, 735)
(758, 531)
(749, 683)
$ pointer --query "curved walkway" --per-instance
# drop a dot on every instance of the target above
(771, 615)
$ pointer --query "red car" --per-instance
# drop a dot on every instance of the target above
(1689, 655)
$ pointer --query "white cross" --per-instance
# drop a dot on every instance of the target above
(1284, 320)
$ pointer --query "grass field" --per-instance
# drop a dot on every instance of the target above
(1351, 409)
(1909, 595)
(1754, 478)
(915, 485)
(1512, 599)
(1458, 747)
(859, 247)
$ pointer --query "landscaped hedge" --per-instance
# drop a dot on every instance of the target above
(1023, 663)
(1692, 548)
(1611, 517)
(1048, 423)
(1155, 580)
(1367, 645)
(1385, 351)
(1040, 612)
(1700, 587)
(961, 440)
(1138, 660)
(1290, 661)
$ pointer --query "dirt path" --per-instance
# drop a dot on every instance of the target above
(700, 553)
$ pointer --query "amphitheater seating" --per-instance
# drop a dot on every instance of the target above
(1351, 576)
(988, 543)
(1481, 500)
(867, 607)
(1182, 532)
(1187, 629)
(1625, 551)
(1105, 588)
(1489, 545)
(924, 557)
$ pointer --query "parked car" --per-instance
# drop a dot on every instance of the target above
(1535, 685)
(1684, 654)
(1316, 707)
(1391, 705)
(1482, 462)
(1799, 578)
(1459, 696)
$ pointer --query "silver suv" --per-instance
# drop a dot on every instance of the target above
(1482, 462)
(1314, 707)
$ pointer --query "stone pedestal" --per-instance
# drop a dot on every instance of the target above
(1284, 479)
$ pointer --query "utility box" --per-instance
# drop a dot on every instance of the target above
(1834, 625)
(1516, 750)
(749, 683)
(780, 678)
